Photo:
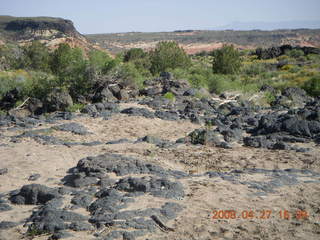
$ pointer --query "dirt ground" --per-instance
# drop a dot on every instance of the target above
(203, 195)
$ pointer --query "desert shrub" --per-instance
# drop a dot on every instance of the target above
(253, 69)
(226, 60)
(71, 69)
(139, 58)
(10, 57)
(219, 83)
(312, 86)
(75, 107)
(295, 53)
(133, 54)
(11, 80)
(128, 75)
(36, 57)
(38, 84)
(168, 55)
(29, 84)
(99, 61)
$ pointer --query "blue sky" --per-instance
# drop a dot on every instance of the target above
(102, 16)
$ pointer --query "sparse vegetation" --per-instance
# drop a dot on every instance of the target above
(35, 71)
(168, 55)
(226, 60)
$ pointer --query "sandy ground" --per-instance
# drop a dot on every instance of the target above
(203, 195)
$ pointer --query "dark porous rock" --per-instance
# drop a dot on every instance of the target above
(82, 200)
(166, 75)
(57, 100)
(258, 142)
(123, 95)
(158, 187)
(151, 91)
(82, 181)
(90, 109)
(167, 115)
(34, 194)
(232, 134)
(119, 141)
(104, 94)
(75, 128)
(268, 88)
(56, 116)
(80, 226)
(48, 219)
(7, 225)
(34, 177)
(35, 106)
(115, 89)
(99, 106)
(112, 107)
(190, 92)
(119, 164)
(169, 210)
(3, 171)
(106, 182)
(60, 235)
(108, 204)
(207, 137)
(10, 98)
(4, 207)
(157, 141)
(143, 112)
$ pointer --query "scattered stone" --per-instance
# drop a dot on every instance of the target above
(158, 187)
(7, 225)
(57, 100)
(34, 194)
(34, 177)
(138, 112)
(75, 128)
(3, 171)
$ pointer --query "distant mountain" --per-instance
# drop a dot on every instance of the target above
(270, 25)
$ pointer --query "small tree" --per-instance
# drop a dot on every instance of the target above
(36, 56)
(99, 61)
(139, 58)
(226, 60)
(168, 55)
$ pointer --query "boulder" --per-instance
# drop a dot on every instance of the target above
(34, 194)
(58, 100)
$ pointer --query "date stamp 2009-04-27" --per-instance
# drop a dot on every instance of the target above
(260, 214)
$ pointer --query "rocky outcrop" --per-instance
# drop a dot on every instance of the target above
(274, 52)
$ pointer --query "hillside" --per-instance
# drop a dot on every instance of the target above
(197, 41)
(48, 30)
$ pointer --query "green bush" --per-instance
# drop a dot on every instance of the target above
(71, 69)
(139, 58)
(312, 86)
(11, 80)
(11, 57)
(100, 61)
(75, 107)
(128, 75)
(168, 55)
(226, 60)
(295, 53)
(39, 84)
(36, 57)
